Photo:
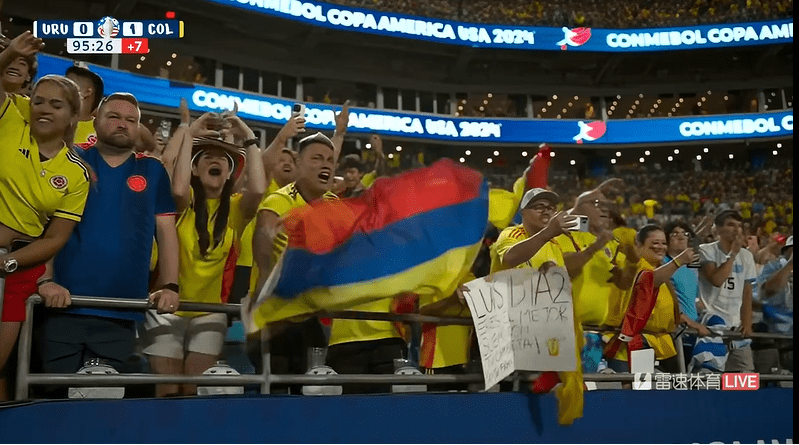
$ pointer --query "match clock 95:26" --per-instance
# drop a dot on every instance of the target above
(94, 46)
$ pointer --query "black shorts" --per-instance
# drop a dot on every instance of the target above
(67, 341)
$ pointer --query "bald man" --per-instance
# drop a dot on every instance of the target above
(598, 266)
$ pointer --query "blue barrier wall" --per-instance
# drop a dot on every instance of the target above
(610, 417)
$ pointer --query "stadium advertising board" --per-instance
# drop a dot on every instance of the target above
(390, 123)
(519, 37)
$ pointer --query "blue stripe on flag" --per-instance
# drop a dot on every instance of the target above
(395, 248)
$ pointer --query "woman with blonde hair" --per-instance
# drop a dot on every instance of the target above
(43, 188)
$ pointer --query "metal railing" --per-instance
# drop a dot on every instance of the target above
(25, 378)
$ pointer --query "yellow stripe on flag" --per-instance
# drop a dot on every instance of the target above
(434, 279)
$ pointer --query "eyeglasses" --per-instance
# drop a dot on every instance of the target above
(541, 208)
(680, 234)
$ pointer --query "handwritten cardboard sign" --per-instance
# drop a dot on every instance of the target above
(541, 315)
(523, 320)
(490, 315)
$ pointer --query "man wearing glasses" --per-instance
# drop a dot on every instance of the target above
(598, 266)
(531, 243)
(685, 280)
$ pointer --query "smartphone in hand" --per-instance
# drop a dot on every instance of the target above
(299, 110)
(579, 225)
(694, 244)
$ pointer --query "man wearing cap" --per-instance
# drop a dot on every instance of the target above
(108, 254)
(531, 243)
(316, 163)
(775, 292)
(517, 248)
(91, 93)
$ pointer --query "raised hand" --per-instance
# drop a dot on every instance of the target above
(294, 126)
(343, 118)
(26, 44)
(559, 223)
(185, 116)
(377, 144)
(207, 125)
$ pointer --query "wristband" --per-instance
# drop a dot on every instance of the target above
(183, 125)
(44, 281)
(171, 286)
(248, 142)
(676, 263)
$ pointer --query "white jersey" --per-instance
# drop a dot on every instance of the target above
(725, 301)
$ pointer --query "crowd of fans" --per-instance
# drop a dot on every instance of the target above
(589, 13)
(94, 205)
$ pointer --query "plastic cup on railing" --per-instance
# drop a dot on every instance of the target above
(316, 366)
(220, 368)
(405, 367)
(97, 367)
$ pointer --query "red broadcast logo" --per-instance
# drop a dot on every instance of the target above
(574, 37)
(137, 183)
(590, 131)
(740, 381)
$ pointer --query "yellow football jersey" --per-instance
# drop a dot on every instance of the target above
(245, 256)
(590, 289)
(348, 331)
(509, 237)
(281, 202)
(202, 277)
(32, 190)
(369, 179)
(85, 135)
(661, 321)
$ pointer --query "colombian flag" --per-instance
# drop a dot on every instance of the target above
(418, 232)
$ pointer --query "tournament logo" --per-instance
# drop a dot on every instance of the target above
(137, 183)
(58, 182)
(590, 131)
(108, 27)
(574, 37)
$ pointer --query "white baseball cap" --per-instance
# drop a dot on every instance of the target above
(536, 194)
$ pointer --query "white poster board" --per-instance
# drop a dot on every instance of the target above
(531, 311)
(490, 315)
(541, 317)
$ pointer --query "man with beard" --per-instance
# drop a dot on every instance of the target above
(108, 253)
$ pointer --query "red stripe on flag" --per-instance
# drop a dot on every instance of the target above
(324, 225)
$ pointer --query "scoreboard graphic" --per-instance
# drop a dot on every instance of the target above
(108, 35)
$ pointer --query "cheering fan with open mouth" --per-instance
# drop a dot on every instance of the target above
(212, 220)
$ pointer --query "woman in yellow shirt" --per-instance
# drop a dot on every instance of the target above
(651, 245)
(212, 220)
(43, 188)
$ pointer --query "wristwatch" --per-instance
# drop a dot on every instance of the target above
(10, 265)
